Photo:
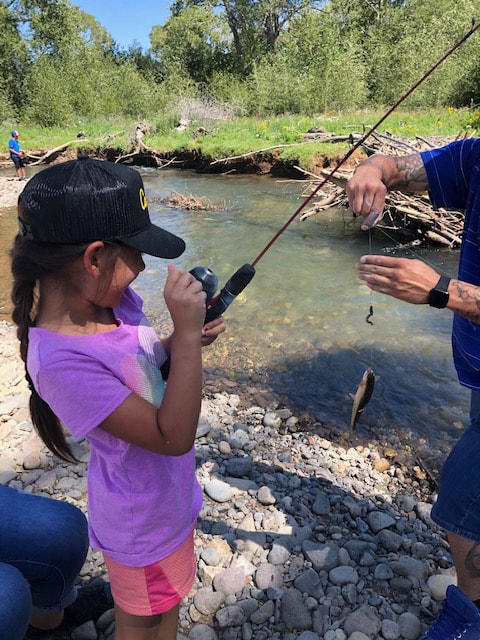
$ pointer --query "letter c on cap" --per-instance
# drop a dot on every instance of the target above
(143, 199)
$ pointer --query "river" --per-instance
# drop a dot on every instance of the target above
(298, 332)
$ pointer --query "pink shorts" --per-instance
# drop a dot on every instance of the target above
(156, 588)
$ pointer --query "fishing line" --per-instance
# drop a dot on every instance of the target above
(362, 140)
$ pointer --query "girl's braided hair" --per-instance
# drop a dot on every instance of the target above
(32, 261)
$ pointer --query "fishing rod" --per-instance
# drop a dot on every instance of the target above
(216, 305)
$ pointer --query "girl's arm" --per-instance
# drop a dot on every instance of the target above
(170, 429)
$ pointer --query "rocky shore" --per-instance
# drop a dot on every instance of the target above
(299, 537)
(10, 189)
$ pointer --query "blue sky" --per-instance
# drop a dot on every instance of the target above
(127, 20)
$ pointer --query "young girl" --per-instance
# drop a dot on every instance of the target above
(93, 363)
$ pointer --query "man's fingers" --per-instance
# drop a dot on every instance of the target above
(382, 261)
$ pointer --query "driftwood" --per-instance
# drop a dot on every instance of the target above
(189, 202)
(49, 156)
(142, 151)
(252, 153)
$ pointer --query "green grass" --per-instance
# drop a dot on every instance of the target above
(241, 135)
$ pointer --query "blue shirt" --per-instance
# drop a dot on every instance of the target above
(15, 145)
(454, 180)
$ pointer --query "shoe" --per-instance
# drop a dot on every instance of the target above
(93, 599)
(458, 619)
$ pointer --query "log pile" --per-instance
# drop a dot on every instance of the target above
(411, 212)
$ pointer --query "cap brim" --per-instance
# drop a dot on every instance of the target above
(156, 242)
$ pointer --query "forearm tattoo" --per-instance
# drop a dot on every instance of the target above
(409, 174)
(472, 561)
(469, 295)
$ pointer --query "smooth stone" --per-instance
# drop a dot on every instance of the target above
(231, 616)
(343, 575)
(210, 556)
(390, 630)
(364, 619)
(263, 613)
(271, 419)
(265, 496)
(202, 632)
(409, 626)
(224, 447)
(308, 635)
(358, 635)
(295, 614)
(218, 490)
(32, 460)
(105, 619)
(239, 467)
(438, 584)
(322, 556)
(86, 631)
(409, 567)
(390, 540)
(379, 520)
(202, 429)
(268, 575)
(423, 509)
(321, 506)
(230, 581)
(208, 601)
(309, 582)
(383, 572)
(278, 554)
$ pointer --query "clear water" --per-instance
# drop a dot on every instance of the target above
(298, 331)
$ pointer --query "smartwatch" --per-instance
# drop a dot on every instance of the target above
(438, 296)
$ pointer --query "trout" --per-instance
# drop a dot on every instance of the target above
(362, 396)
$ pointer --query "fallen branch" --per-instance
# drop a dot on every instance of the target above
(53, 153)
(252, 153)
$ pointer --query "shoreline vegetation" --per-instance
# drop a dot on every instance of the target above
(288, 147)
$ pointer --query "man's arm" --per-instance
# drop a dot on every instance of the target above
(368, 186)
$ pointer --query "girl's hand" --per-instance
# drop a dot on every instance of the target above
(186, 301)
(212, 330)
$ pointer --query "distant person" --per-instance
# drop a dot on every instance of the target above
(452, 176)
(93, 362)
(17, 155)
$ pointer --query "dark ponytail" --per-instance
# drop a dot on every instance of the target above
(32, 261)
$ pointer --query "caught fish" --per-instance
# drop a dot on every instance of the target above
(362, 396)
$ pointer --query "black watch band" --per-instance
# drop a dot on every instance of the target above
(438, 296)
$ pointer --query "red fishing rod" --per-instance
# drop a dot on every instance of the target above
(216, 305)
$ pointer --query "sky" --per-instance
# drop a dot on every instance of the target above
(127, 20)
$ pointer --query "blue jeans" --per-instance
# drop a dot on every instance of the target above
(43, 545)
(457, 508)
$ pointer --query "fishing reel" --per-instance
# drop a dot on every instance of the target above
(217, 304)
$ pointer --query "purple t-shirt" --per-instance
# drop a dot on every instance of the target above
(141, 505)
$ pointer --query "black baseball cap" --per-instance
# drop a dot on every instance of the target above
(86, 200)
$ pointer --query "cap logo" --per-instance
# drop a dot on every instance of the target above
(143, 199)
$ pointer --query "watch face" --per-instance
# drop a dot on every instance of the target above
(438, 298)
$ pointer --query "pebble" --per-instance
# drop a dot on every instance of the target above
(218, 490)
(265, 496)
(438, 584)
(409, 626)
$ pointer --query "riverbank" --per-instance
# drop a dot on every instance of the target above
(300, 535)
(10, 189)
(209, 138)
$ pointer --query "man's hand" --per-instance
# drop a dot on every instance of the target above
(402, 278)
(366, 194)
(368, 186)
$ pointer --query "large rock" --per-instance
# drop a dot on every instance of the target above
(365, 620)
(322, 556)
(230, 581)
(438, 584)
(409, 626)
(239, 467)
(231, 616)
(295, 614)
(218, 490)
(208, 601)
(268, 576)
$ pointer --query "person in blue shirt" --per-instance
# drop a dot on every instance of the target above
(17, 155)
(452, 176)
